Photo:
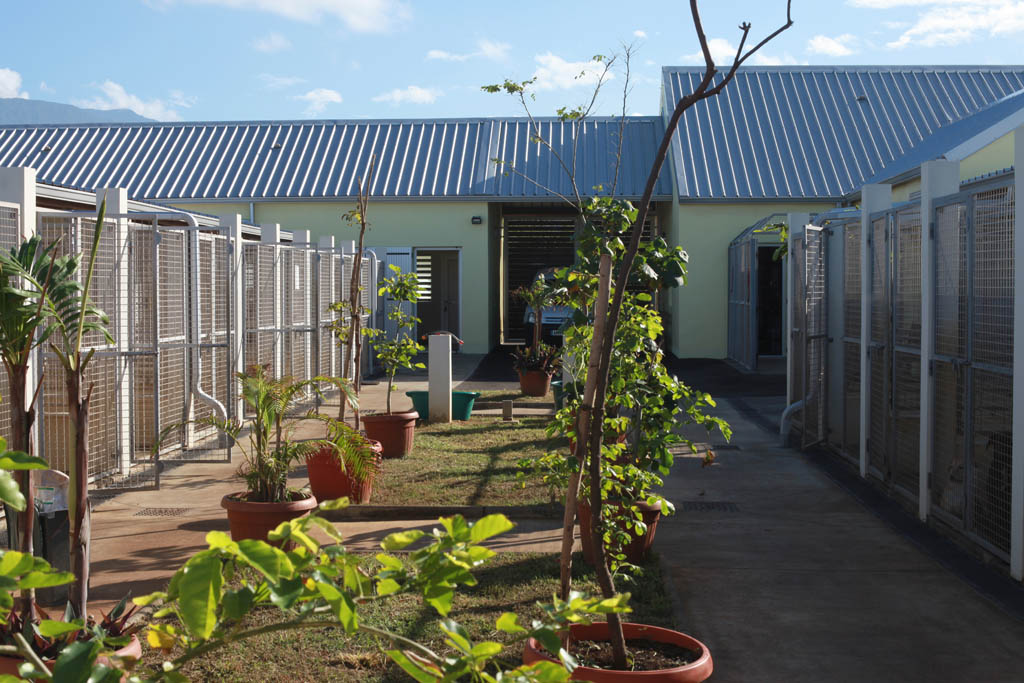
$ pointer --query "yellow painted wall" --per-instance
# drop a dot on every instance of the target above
(993, 157)
(404, 224)
(902, 192)
(699, 311)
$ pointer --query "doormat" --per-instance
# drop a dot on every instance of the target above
(161, 512)
(707, 506)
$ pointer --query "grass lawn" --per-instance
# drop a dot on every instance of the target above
(515, 395)
(467, 463)
(510, 582)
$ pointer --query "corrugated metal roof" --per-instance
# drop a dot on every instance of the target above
(817, 131)
(1008, 110)
(323, 159)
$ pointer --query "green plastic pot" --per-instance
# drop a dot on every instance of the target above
(559, 392)
(462, 403)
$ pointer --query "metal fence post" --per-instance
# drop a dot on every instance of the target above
(1017, 466)
(302, 237)
(938, 179)
(872, 198)
(270, 233)
(232, 225)
(117, 203)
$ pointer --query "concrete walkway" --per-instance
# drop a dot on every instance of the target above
(786, 577)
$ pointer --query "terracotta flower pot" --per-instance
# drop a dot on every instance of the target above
(534, 382)
(9, 665)
(695, 671)
(395, 432)
(256, 520)
(638, 548)
(328, 479)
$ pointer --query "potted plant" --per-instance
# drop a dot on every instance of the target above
(270, 453)
(345, 466)
(53, 637)
(393, 430)
(535, 365)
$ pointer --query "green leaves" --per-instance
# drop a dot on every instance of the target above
(489, 526)
(401, 539)
(199, 591)
(509, 623)
(10, 493)
(342, 606)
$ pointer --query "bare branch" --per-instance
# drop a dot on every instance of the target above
(541, 185)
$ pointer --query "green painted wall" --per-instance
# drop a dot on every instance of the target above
(699, 311)
(404, 224)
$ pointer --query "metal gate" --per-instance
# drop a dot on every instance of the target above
(851, 233)
(973, 367)
(879, 348)
(815, 337)
(905, 409)
(743, 302)
(260, 265)
(797, 333)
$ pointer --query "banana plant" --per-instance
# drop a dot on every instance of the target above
(74, 316)
(29, 274)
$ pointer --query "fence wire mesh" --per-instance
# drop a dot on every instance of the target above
(10, 227)
(816, 335)
(798, 326)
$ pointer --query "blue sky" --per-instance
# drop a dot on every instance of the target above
(348, 59)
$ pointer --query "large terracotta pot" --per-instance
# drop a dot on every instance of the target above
(256, 520)
(534, 382)
(698, 670)
(329, 479)
(9, 665)
(638, 548)
(395, 432)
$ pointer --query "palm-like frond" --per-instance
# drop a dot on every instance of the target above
(29, 274)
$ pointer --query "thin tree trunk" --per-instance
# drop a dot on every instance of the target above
(583, 425)
(21, 431)
(79, 492)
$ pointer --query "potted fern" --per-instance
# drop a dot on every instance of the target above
(344, 466)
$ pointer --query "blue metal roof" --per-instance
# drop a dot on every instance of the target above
(945, 139)
(427, 159)
(817, 131)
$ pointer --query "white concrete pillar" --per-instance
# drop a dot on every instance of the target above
(795, 222)
(232, 225)
(938, 179)
(117, 203)
(1017, 485)
(872, 198)
(439, 375)
(347, 246)
(270, 234)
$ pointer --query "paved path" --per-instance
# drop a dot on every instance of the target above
(795, 581)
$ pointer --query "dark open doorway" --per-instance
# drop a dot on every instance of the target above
(769, 303)
(438, 306)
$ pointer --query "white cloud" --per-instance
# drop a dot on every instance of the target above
(488, 49)
(363, 16)
(10, 84)
(272, 42)
(639, 34)
(180, 99)
(943, 23)
(724, 52)
(555, 73)
(45, 88)
(272, 82)
(318, 99)
(414, 94)
(840, 46)
(116, 97)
